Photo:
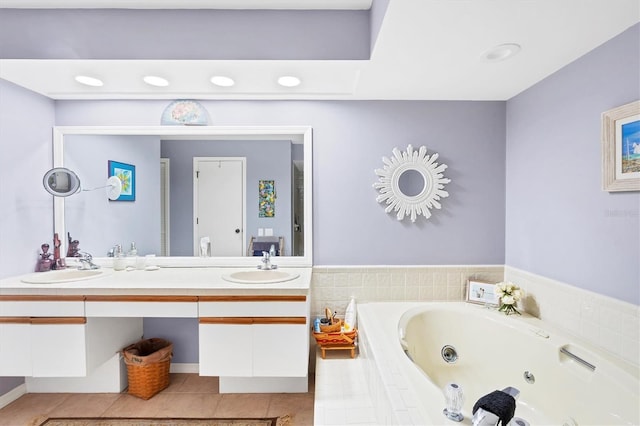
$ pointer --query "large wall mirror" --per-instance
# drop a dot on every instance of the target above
(238, 186)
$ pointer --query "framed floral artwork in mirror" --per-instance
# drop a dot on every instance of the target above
(127, 175)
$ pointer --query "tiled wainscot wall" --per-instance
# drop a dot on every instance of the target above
(608, 323)
(333, 286)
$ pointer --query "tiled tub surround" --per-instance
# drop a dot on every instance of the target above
(592, 317)
(607, 323)
(401, 394)
(333, 286)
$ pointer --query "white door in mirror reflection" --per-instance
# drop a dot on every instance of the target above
(219, 204)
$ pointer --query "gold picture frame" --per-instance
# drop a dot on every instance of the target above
(621, 148)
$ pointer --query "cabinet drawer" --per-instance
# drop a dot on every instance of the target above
(142, 306)
(41, 306)
(252, 306)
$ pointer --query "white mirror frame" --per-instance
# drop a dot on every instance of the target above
(299, 134)
(422, 203)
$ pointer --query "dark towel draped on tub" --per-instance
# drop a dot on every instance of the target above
(499, 403)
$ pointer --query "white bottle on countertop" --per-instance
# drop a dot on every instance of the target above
(119, 261)
(350, 316)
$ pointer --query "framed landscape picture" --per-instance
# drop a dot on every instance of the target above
(621, 148)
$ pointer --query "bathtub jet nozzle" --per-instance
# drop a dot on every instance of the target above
(454, 398)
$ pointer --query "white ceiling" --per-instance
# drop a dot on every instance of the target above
(426, 49)
(190, 4)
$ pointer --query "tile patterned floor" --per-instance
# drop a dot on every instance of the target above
(188, 395)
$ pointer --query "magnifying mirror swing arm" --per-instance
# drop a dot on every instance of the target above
(432, 191)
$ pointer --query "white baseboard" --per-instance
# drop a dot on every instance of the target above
(12, 395)
(184, 368)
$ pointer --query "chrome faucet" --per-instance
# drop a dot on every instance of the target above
(86, 261)
(265, 262)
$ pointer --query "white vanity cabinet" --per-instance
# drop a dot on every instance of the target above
(254, 336)
(50, 336)
(66, 337)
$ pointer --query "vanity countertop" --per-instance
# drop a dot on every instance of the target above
(163, 281)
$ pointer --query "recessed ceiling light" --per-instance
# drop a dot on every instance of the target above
(154, 80)
(501, 52)
(222, 81)
(289, 81)
(89, 81)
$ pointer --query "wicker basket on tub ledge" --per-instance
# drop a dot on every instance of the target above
(332, 338)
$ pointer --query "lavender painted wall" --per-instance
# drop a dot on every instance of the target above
(560, 225)
(350, 139)
(95, 221)
(268, 160)
(185, 34)
(26, 208)
(559, 222)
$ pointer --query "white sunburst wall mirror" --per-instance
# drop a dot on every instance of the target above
(411, 183)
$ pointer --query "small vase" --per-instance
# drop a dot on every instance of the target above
(508, 309)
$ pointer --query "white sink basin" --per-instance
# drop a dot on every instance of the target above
(63, 276)
(260, 277)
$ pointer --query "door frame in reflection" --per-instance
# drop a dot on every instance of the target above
(217, 207)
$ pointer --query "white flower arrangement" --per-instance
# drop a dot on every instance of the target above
(509, 295)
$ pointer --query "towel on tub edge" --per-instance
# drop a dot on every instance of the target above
(499, 403)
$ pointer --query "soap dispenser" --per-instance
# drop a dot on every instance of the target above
(133, 252)
(119, 261)
(132, 255)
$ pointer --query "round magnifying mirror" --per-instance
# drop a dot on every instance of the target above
(61, 182)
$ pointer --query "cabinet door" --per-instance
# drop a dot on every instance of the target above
(15, 348)
(280, 350)
(225, 350)
(58, 347)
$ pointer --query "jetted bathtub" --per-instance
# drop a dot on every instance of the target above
(562, 381)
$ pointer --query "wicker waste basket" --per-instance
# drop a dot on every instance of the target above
(148, 363)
